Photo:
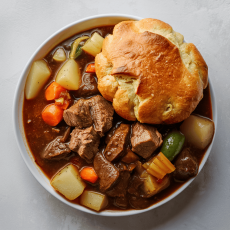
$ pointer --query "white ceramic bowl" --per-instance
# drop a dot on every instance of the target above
(51, 42)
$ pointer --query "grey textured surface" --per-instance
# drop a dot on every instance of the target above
(24, 204)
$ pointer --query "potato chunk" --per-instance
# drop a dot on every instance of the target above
(68, 182)
(150, 186)
(69, 75)
(94, 200)
(59, 55)
(94, 44)
(198, 131)
(38, 76)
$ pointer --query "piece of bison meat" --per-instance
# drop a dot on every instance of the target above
(85, 142)
(145, 139)
(106, 171)
(118, 143)
(55, 150)
(186, 166)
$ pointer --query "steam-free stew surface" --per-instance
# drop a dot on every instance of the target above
(39, 134)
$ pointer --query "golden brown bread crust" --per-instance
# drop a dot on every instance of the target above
(149, 73)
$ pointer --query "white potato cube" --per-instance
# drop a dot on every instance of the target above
(94, 200)
(94, 44)
(198, 131)
(68, 182)
(59, 55)
(150, 186)
(69, 75)
(38, 76)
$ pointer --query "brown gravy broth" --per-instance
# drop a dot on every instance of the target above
(39, 134)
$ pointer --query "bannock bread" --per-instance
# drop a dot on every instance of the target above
(149, 72)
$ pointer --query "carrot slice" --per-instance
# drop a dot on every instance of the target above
(52, 115)
(53, 91)
(89, 174)
(90, 68)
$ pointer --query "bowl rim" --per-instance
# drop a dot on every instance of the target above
(17, 131)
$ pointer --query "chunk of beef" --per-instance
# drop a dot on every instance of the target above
(109, 134)
(139, 202)
(78, 115)
(130, 157)
(88, 86)
(121, 187)
(125, 167)
(85, 142)
(131, 167)
(118, 142)
(102, 114)
(121, 166)
(66, 135)
(134, 185)
(145, 139)
(78, 161)
(121, 202)
(95, 110)
(106, 171)
(55, 150)
(186, 165)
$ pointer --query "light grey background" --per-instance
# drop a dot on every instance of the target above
(24, 204)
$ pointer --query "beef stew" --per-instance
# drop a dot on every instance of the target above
(92, 135)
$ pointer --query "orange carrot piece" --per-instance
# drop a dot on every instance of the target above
(90, 68)
(52, 115)
(89, 174)
(53, 91)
